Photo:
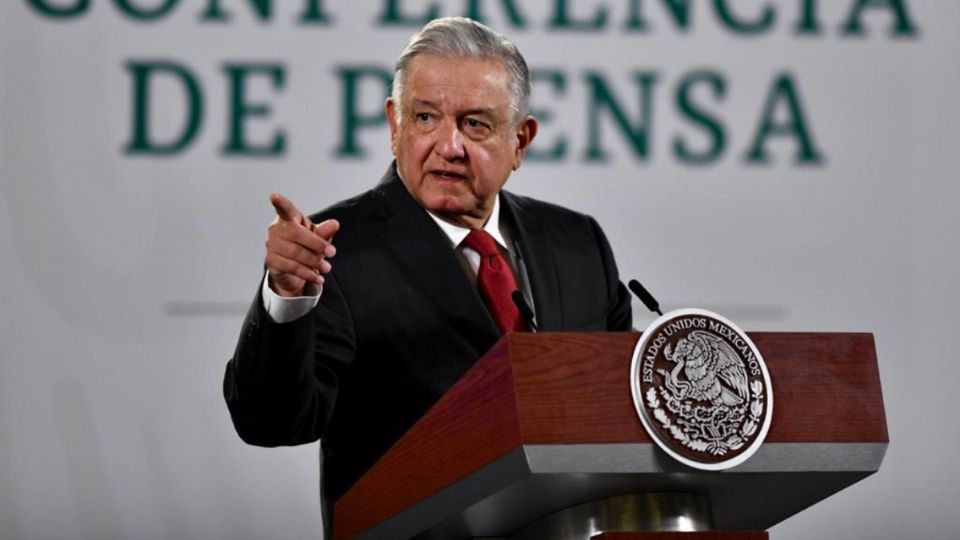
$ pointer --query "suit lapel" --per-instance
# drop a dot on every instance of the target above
(537, 259)
(424, 253)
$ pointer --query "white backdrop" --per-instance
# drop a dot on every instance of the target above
(125, 277)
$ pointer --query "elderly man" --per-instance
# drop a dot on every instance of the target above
(354, 350)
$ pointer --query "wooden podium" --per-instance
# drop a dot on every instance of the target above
(546, 422)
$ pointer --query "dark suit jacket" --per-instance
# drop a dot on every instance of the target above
(399, 322)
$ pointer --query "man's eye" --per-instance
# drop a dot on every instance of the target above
(423, 117)
(476, 126)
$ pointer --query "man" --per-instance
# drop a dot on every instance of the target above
(353, 352)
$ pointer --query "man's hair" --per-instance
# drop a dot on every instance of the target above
(459, 37)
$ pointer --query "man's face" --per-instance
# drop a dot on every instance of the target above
(456, 140)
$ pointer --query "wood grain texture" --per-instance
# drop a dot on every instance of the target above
(826, 388)
(574, 388)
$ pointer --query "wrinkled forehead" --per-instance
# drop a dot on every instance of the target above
(436, 68)
(483, 81)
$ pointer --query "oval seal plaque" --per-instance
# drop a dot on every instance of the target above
(701, 389)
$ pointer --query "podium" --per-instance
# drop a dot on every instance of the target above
(541, 438)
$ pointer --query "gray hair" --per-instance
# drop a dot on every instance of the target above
(459, 37)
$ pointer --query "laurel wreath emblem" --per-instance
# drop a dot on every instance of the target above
(708, 428)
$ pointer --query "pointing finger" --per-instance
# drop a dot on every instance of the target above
(285, 209)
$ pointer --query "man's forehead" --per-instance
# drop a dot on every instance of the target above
(454, 70)
(436, 81)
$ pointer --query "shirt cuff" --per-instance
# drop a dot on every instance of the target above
(287, 309)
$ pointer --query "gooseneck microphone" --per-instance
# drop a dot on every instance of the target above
(524, 308)
(644, 296)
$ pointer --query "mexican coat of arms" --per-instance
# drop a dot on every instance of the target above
(701, 389)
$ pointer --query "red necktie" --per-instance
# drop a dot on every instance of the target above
(495, 282)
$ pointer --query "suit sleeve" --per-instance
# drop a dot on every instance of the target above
(281, 384)
(619, 312)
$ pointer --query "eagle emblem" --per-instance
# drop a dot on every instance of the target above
(713, 371)
(701, 389)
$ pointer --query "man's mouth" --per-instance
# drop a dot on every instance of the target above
(448, 175)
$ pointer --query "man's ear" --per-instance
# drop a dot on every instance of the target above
(390, 109)
(526, 131)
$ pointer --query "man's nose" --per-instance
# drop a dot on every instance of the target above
(449, 144)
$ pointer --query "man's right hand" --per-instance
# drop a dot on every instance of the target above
(297, 250)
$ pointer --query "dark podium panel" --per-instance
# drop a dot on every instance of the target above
(545, 422)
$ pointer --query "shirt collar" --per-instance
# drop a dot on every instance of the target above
(456, 234)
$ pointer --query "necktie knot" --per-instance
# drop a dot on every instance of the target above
(481, 242)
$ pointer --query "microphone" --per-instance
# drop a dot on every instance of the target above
(524, 308)
(644, 296)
